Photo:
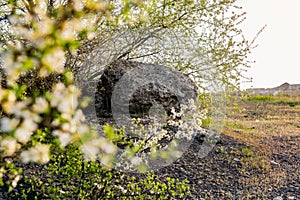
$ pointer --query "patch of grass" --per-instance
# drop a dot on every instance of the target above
(260, 98)
(277, 100)
(256, 162)
(290, 103)
(247, 152)
(206, 122)
(236, 126)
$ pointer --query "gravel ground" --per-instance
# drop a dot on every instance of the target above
(223, 175)
(232, 171)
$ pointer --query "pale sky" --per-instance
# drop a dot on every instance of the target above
(278, 54)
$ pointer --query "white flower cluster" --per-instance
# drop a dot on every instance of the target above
(22, 125)
(191, 120)
(9, 145)
(48, 37)
(26, 117)
(100, 148)
(71, 127)
(39, 153)
(41, 36)
(186, 124)
(157, 134)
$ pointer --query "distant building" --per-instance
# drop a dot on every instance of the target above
(286, 88)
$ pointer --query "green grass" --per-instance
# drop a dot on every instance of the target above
(277, 100)
(236, 126)
(290, 103)
(260, 98)
(206, 122)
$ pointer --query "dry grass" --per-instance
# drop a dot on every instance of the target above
(258, 123)
(270, 129)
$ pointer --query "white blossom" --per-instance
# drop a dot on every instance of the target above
(91, 149)
(65, 99)
(8, 101)
(63, 137)
(55, 60)
(29, 115)
(40, 105)
(38, 153)
(82, 128)
(23, 135)
(29, 124)
(79, 116)
(78, 5)
(15, 181)
(9, 124)
(9, 146)
(107, 146)
(136, 160)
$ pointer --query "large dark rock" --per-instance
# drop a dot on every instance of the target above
(170, 92)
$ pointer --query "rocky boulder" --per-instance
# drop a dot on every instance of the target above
(148, 84)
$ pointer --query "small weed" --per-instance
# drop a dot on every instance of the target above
(223, 149)
(247, 152)
(206, 122)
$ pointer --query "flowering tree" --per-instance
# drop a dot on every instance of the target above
(40, 35)
(52, 39)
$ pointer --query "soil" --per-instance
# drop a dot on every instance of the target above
(225, 174)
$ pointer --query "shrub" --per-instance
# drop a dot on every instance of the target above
(69, 176)
(42, 37)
